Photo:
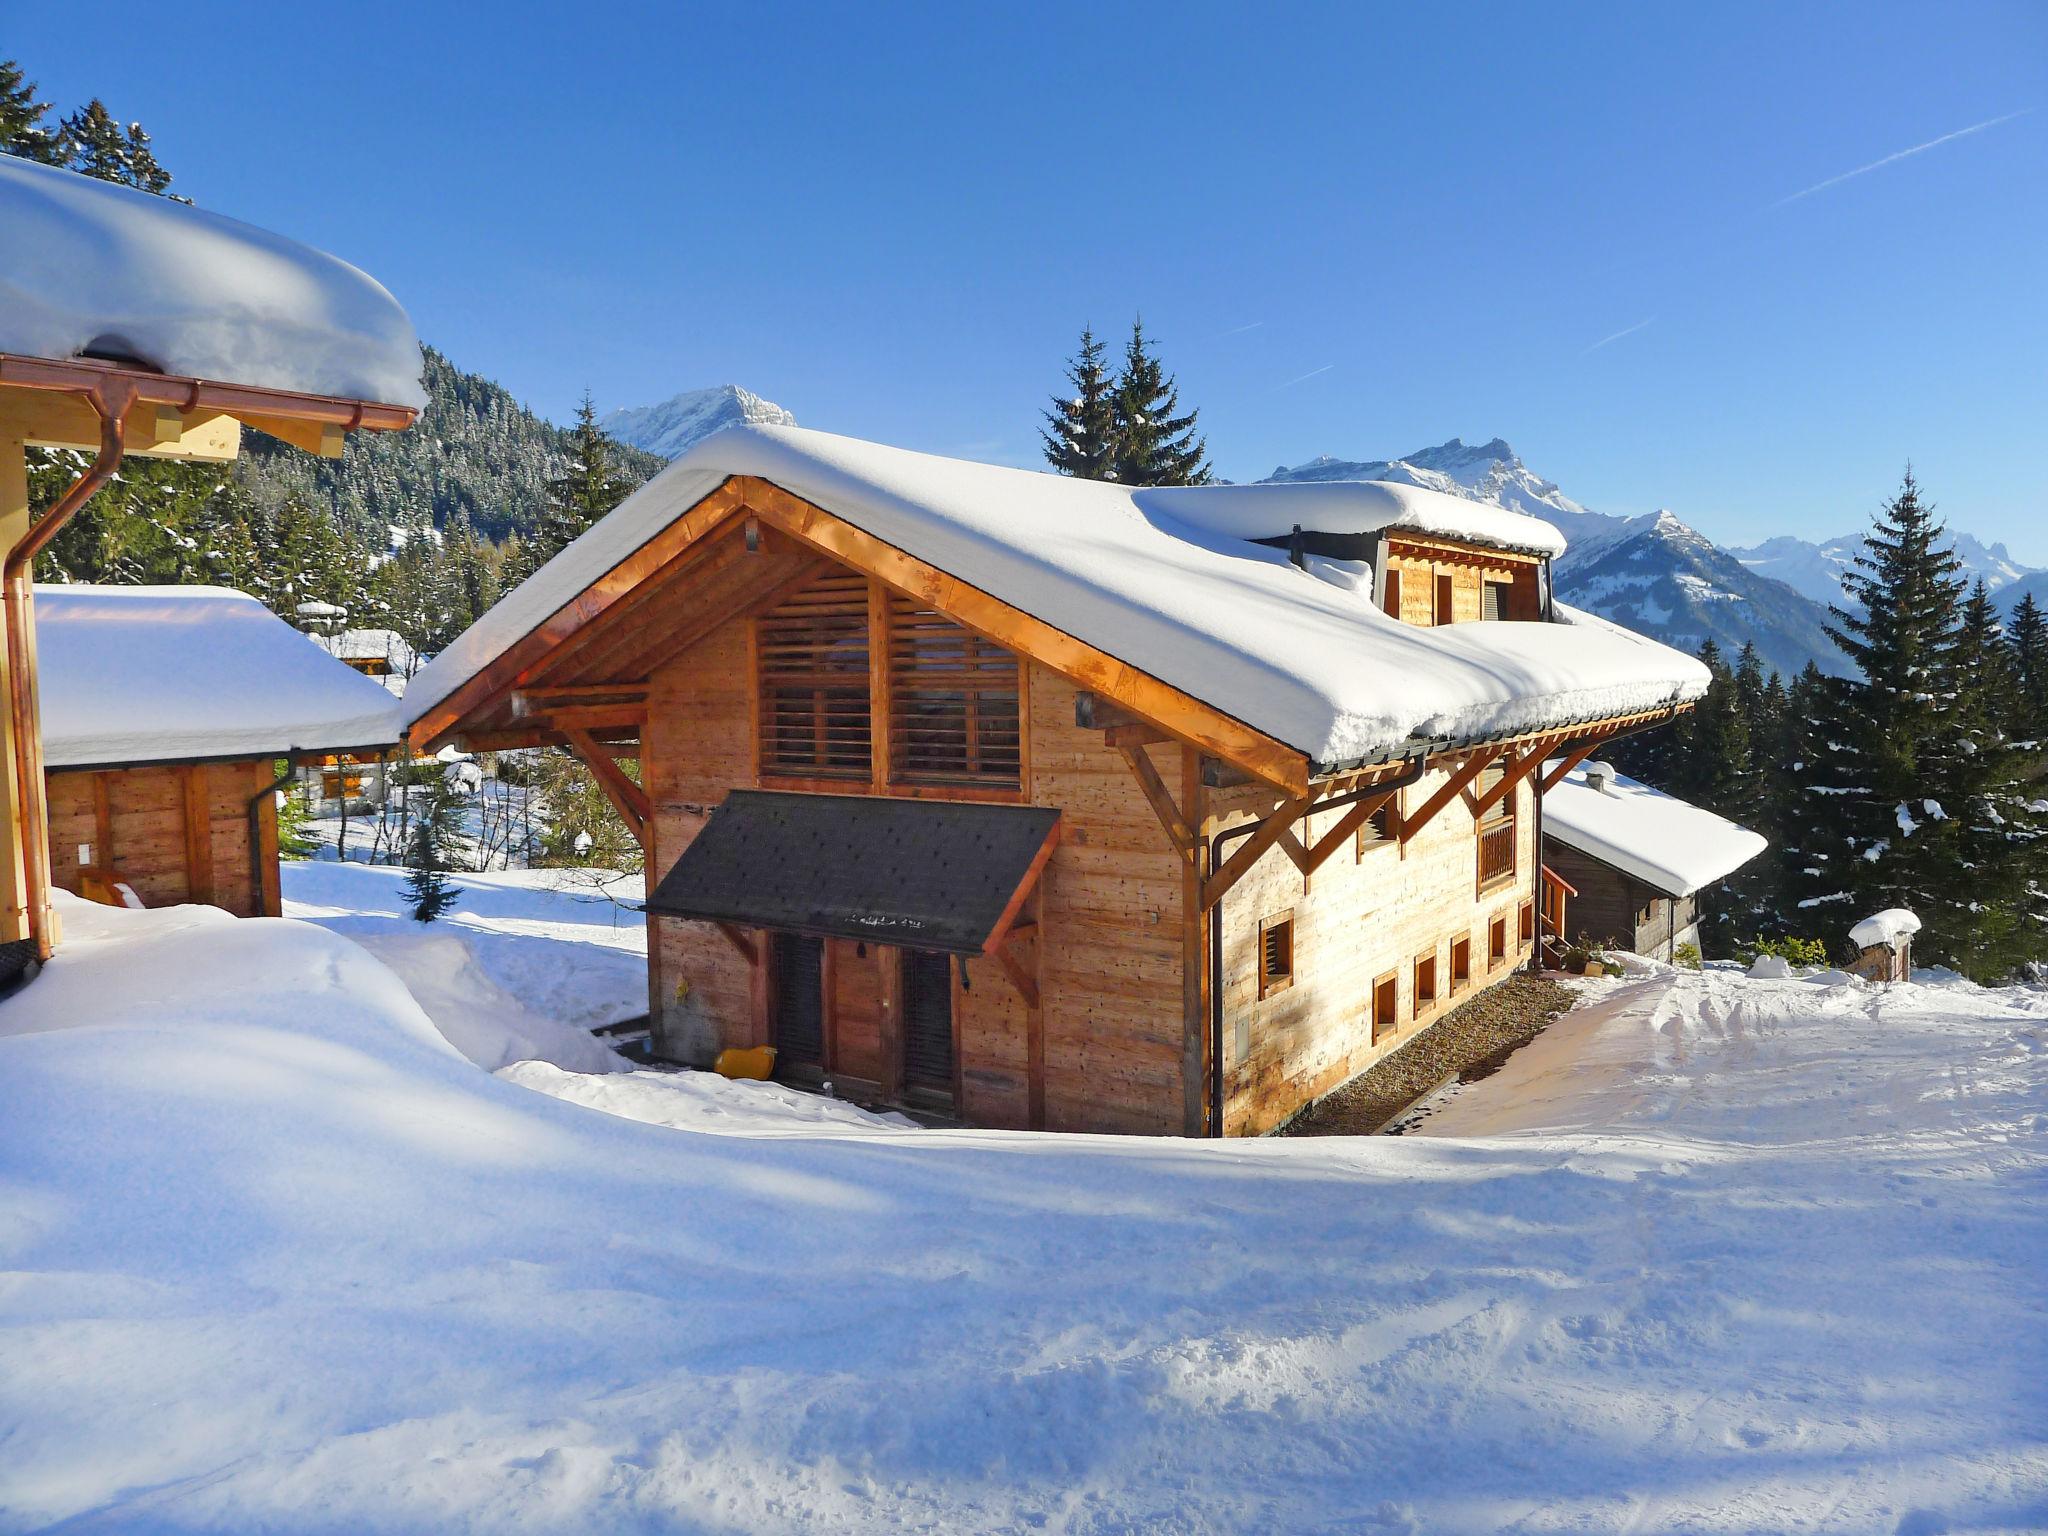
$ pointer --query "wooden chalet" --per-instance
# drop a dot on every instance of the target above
(1044, 803)
(168, 715)
(136, 326)
(1639, 865)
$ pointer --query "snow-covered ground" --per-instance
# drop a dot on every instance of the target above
(1713, 1254)
(523, 967)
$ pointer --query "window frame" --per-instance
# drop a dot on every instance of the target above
(1460, 977)
(1388, 1023)
(1272, 981)
(1420, 1003)
(1497, 957)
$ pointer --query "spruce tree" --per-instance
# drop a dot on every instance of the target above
(1885, 743)
(94, 144)
(589, 486)
(1080, 434)
(22, 133)
(435, 844)
(1155, 445)
(2027, 640)
(1714, 769)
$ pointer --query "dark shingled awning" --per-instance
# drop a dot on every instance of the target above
(924, 874)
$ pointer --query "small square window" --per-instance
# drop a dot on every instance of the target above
(1424, 991)
(1495, 599)
(1386, 1006)
(1378, 829)
(1276, 954)
(1461, 964)
(1496, 941)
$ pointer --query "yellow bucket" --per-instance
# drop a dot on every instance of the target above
(752, 1061)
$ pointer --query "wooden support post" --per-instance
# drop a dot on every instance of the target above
(1566, 764)
(14, 508)
(627, 798)
(1466, 772)
(198, 834)
(740, 942)
(1160, 799)
(1252, 849)
(1194, 969)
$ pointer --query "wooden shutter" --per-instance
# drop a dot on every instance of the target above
(953, 703)
(928, 1022)
(799, 1000)
(816, 719)
(1276, 954)
(1493, 600)
(1446, 598)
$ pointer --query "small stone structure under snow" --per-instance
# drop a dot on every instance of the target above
(1884, 945)
(1640, 860)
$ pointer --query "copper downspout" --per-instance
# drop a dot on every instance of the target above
(111, 401)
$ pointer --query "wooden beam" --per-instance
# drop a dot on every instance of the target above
(616, 584)
(1194, 966)
(325, 438)
(1566, 764)
(1020, 978)
(999, 934)
(1138, 733)
(627, 798)
(537, 700)
(1160, 799)
(1252, 849)
(1355, 816)
(198, 834)
(738, 941)
(1512, 775)
(1469, 770)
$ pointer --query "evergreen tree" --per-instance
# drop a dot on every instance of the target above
(588, 487)
(1154, 444)
(94, 144)
(22, 133)
(2027, 640)
(1080, 436)
(436, 841)
(1714, 769)
(1887, 746)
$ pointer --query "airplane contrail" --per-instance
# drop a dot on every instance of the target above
(1626, 331)
(1306, 376)
(1865, 170)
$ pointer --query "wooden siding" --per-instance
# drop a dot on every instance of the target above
(1426, 565)
(1617, 910)
(1365, 915)
(176, 834)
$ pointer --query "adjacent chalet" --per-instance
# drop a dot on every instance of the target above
(167, 712)
(134, 325)
(1636, 863)
(1049, 803)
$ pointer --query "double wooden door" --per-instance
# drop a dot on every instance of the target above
(869, 1012)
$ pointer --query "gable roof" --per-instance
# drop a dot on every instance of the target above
(1660, 839)
(182, 674)
(1167, 581)
(90, 267)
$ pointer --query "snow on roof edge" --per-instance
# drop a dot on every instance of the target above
(133, 675)
(1303, 656)
(91, 266)
(1664, 841)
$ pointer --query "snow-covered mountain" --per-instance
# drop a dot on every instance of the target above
(1816, 570)
(668, 429)
(1653, 573)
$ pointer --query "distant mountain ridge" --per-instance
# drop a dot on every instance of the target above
(670, 428)
(1654, 573)
(1816, 570)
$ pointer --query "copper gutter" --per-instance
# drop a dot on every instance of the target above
(82, 376)
(110, 400)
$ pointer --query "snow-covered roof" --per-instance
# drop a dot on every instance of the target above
(90, 267)
(1167, 581)
(1889, 928)
(1658, 838)
(169, 674)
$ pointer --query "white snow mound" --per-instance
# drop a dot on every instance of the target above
(89, 267)
(1888, 927)
(149, 674)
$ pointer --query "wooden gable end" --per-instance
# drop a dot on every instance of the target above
(739, 551)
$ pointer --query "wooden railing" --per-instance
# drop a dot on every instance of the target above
(1496, 853)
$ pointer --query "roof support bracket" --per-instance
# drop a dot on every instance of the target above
(627, 798)
(1455, 786)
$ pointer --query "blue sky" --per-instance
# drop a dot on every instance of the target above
(1354, 231)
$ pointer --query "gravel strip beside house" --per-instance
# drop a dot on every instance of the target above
(1470, 1041)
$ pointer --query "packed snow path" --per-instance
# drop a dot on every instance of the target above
(1713, 1254)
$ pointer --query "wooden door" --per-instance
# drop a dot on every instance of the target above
(854, 1027)
(928, 1023)
(799, 1014)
